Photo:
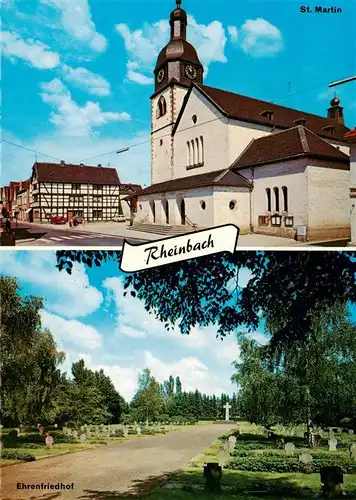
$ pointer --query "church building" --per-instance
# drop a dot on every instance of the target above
(223, 158)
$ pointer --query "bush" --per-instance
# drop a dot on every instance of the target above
(12, 434)
(282, 463)
(17, 455)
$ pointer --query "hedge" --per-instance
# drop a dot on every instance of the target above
(268, 463)
(17, 455)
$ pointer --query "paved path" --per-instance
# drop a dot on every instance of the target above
(105, 473)
(62, 236)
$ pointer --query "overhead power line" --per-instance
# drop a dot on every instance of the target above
(29, 149)
(135, 145)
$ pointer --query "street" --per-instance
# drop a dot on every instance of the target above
(63, 236)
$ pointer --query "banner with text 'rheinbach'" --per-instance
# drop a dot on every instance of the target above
(175, 249)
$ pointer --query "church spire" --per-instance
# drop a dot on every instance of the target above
(336, 112)
(179, 23)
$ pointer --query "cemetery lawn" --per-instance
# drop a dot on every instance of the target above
(188, 484)
(39, 453)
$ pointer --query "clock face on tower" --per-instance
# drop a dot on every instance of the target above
(160, 76)
(191, 72)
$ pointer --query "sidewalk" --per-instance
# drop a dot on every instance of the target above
(115, 229)
(118, 229)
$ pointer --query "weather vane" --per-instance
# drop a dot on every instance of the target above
(179, 3)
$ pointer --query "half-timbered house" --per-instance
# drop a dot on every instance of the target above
(92, 192)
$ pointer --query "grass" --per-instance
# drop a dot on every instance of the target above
(188, 484)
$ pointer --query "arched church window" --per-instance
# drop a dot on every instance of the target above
(162, 107)
(194, 119)
(285, 198)
(189, 155)
(202, 149)
(276, 198)
(193, 152)
(198, 151)
(269, 204)
(203, 205)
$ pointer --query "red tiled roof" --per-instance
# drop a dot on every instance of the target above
(351, 135)
(290, 144)
(218, 178)
(248, 109)
(130, 187)
(78, 174)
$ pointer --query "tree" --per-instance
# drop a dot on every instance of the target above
(148, 402)
(198, 292)
(29, 358)
(311, 384)
(112, 400)
(178, 385)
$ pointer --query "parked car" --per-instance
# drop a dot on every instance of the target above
(58, 219)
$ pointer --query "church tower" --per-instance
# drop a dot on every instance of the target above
(178, 66)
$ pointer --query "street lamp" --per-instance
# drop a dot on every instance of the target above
(340, 82)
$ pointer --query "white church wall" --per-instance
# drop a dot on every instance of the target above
(161, 150)
(328, 202)
(240, 134)
(239, 215)
(288, 174)
(179, 94)
(211, 125)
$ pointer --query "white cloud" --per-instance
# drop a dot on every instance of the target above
(69, 117)
(76, 20)
(133, 166)
(33, 52)
(259, 38)
(192, 372)
(143, 45)
(72, 296)
(85, 79)
(135, 322)
(135, 76)
(71, 331)
(232, 30)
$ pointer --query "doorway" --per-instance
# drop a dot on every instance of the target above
(165, 205)
(182, 211)
(153, 210)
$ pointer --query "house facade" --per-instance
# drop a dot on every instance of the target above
(92, 192)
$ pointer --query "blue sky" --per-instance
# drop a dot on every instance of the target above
(91, 319)
(77, 75)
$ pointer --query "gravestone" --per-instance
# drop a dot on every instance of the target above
(126, 431)
(305, 458)
(223, 457)
(352, 450)
(227, 407)
(75, 434)
(289, 449)
(82, 428)
(212, 475)
(332, 479)
(64, 430)
(232, 443)
(332, 444)
(49, 441)
(69, 431)
(138, 430)
(83, 437)
(351, 432)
